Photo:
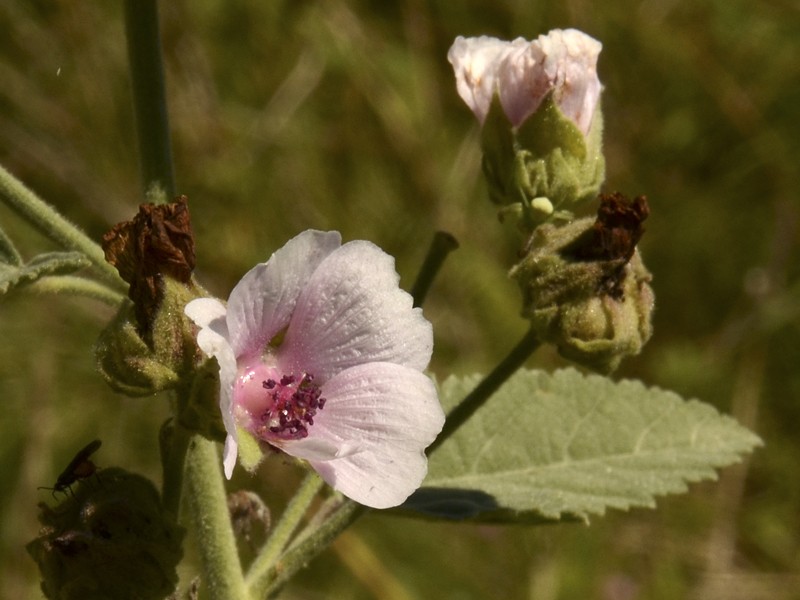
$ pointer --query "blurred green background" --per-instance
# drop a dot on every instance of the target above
(288, 115)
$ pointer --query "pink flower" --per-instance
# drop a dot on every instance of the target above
(522, 73)
(321, 355)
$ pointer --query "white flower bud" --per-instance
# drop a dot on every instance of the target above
(522, 73)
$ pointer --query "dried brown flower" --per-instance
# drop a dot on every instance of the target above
(158, 242)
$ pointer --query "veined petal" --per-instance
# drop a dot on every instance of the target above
(262, 303)
(475, 62)
(562, 61)
(209, 314)
(352, 311)
(383, 416)
(578, 86)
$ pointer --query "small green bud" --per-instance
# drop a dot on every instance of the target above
(585, 288)
(135, 367)
(111, 539)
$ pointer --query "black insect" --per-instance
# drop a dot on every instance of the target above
(80, 467)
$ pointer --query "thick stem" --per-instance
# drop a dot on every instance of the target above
(258, 576)
(484, 390)
(49, 222)
(442, 244)
(208, 512)
(149, 97)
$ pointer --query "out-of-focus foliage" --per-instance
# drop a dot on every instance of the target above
(343, 114)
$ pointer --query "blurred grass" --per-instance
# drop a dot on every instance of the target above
(343, 115)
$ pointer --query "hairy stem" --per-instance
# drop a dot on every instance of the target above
(311, 545)
(174, 447)
(77, 286)
(208, 513)
(258, 576)
(47, 220)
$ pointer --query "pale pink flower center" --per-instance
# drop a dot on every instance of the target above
(279, 406)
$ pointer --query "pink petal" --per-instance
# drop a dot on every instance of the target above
(209, 314)
(475, 62)
(261, 304)
(381, 416)
(562, 61)
(351, 312)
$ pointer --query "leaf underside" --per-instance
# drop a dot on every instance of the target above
(549, 447)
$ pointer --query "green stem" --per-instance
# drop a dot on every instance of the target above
(149, 97)
(208, 512)
(484, 390)
(77, 286)
(49, 222)
(442, 244)
(174, 449)
(257, 577)
(299, 555)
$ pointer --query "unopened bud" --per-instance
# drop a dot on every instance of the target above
(135, 367)
(538, 103)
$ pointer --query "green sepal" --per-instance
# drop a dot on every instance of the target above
(198, 409)
(250, 451)
(498, 145)
(547, 157)
(138, 367)
(126, 362)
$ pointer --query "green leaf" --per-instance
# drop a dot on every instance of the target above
(566, 445)
(51, 263)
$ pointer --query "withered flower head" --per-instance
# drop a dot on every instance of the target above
(617, 230)
(158, 242)
(585, 288)
(613, 237)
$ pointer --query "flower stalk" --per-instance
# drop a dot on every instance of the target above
(488, 386)
(441, 246)
(258, 575)
(312, 545)
(149, 97)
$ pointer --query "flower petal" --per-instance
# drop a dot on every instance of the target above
(381, 416)
(351, 312)
(209, 314)
(475, 62)
(261, 304)
(562, 61)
